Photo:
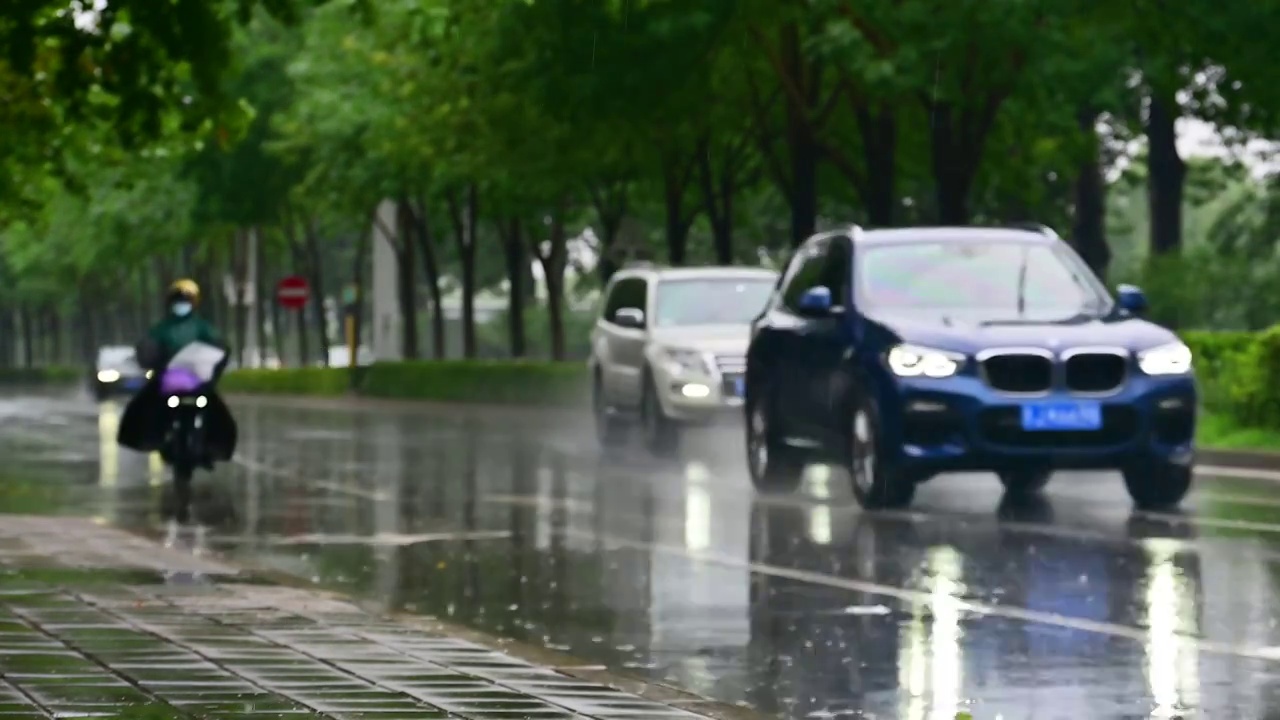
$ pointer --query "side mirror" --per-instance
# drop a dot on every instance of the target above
(1131, 299)
(816, 301)
(629, 318)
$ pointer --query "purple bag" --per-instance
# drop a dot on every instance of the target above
(179, 381)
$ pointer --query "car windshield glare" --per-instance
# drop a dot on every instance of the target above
(985, 280)
(720, 301)
(115, 355)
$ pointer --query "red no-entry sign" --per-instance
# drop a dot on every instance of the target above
(293, 292)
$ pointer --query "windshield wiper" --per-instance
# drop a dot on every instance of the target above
(1022, 284)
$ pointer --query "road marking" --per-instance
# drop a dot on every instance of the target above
(1009, 612)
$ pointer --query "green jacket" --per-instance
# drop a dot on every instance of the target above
(174, 333)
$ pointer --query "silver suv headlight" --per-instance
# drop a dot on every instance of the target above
(682, 361)
(917, 361)
(1172, 359)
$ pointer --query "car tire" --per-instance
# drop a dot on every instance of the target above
(773, 465)
(661, 433)
(877, 484)
(100, 393)
(1157, 486)
(1024, 483)
(610, 431)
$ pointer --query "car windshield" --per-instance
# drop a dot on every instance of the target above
(115, 356)
(983, 281)
(722, 301)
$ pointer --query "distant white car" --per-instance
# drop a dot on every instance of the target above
(669, 348)
(116, 370)
(340, 356)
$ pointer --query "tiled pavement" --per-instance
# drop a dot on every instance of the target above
(95, 622)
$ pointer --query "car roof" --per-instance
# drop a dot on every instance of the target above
(953, 234)
(706, 272)
(116, 350)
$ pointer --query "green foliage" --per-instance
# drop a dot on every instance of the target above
(290, 381)
(40, 376)
(499, 382)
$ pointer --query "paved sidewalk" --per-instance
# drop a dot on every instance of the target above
(95, 622)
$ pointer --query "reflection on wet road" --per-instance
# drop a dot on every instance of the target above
(800, 606)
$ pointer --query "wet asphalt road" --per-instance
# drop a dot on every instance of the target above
(801, 607)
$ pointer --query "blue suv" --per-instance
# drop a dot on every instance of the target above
(905, 353)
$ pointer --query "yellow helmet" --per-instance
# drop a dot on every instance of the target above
(186, 288)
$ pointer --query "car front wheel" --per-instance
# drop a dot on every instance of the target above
(661, 433)
(774, 466)
(1157, 486)
(609, 429)
(1024, 483)
(877, 482)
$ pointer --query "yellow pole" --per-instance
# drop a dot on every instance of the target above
(351, 340)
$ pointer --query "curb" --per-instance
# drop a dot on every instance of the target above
(1242, 459)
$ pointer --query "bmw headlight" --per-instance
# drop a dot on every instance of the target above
(916, 361)
(1171, 359)
(679, 361)
(108, 376)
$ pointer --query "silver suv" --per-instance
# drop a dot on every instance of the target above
(669, 348)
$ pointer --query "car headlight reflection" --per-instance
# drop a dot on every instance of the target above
(916, 361)
(1171, 359)
(679, 361)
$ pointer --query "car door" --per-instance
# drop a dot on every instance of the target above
(824, 340)
(620, 348)
(793, 363)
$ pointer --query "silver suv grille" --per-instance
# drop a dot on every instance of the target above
(731, 364)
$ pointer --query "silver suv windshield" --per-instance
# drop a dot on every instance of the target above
(704, 301)
(985, 280)
(113, 356)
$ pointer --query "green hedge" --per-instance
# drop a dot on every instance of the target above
(52, 375)
(290, 381)
(497, 381)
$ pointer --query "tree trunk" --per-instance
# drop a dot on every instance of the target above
(802, 145)
(357, 278)
(952, 175)
(297, 318)
(1166, 173)
(239, 278)
(676, 175)
(463, 212)
(315, 268)
(431, 268)
(406, 279)
(610, 201)
(717, 201)
(553, 263)
(28, 337)
(260, 294)
(55, 336)
(1088, 230)
(879, 131)
(516, 255)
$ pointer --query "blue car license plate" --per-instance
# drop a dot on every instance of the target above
(1062, 416)
(134, 384)
(733, 385)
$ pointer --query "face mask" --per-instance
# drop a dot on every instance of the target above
(182, 309)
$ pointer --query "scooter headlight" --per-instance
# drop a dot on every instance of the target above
(202, 401)
(173, 401)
